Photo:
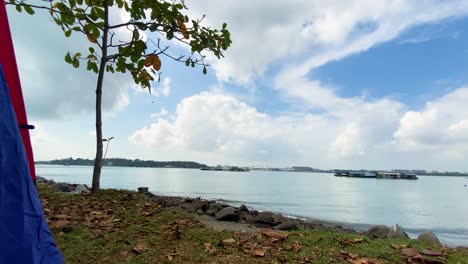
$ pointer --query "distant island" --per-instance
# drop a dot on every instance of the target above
(120, 162)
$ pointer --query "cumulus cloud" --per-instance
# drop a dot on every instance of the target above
(217, 123)
(442, 125)
(51, 87)
(163, 112)
(223, 125)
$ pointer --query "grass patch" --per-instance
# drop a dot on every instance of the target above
(120, 227)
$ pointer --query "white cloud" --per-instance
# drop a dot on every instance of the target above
(264, 32)
(163, 112)
(165, 88)
(52, 88)
(221, 125)
(441, 126)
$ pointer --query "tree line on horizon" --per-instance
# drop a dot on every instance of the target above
(121, 162)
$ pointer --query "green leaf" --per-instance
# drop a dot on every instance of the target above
(204, 70)
(68, 58)
(91, 49)
(80, 2)
(89, 66)
(187, 62)
(169, 34)
(77, 55)
(76, 63)
(18, 8)
(29, 10)
(134, 58)
(67, 33)
(100, 13)
(72, 3)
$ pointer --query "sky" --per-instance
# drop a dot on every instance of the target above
(375, 84)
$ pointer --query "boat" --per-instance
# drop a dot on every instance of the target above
(396, 176)
(356, 174)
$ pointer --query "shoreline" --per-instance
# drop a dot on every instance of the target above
(221, 214)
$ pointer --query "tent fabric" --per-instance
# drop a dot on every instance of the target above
(24, 234)
(8, 60)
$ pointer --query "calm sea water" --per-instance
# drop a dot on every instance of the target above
(438, 204)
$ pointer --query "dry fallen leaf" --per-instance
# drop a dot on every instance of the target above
(229, 240)
(272, 234)
(409, 252)
(259, 253)
(139, 248)
(60, 223)
(399, 246)
(349, 241)
(209, 248)
(431, 253)
(296, 247)
(366, 261)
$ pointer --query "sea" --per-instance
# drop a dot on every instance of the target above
(431, 203)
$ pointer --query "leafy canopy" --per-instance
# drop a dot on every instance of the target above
(161, 21)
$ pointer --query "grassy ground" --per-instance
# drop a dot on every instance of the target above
(120, 227)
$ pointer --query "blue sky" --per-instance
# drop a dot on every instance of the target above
(342, 84)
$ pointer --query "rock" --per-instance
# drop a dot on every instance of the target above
(204, 206)
(50, 182)
(288, 225)
(279, 218)
(429, 238)
(40, 179)
(80, 189)
(213, 208)
(200, 212)
(254, 212)
(143, 189)
(397, 232)
(250, 219)
(265, 216)
(63, 187)
(227, 214)
(191, 207)
(256, 221)
(243, 209)
(378, 231)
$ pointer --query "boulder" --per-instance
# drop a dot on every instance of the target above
(250, 219)
(80, 188)
(254, 220)
(227, 214)
(378, 231)
(265, 216)
(429, 238)
(254, 212)
(143, 189)
(397, 232)
(40, 179)
(213, 208)
(63, 187)
(288, 225)
(243, 209)
(279, 218)
(50, 182)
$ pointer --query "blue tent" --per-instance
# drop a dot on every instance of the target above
(24, 234)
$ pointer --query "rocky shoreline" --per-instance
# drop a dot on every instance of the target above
(215, 211)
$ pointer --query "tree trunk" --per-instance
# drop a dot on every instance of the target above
(102, 69)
